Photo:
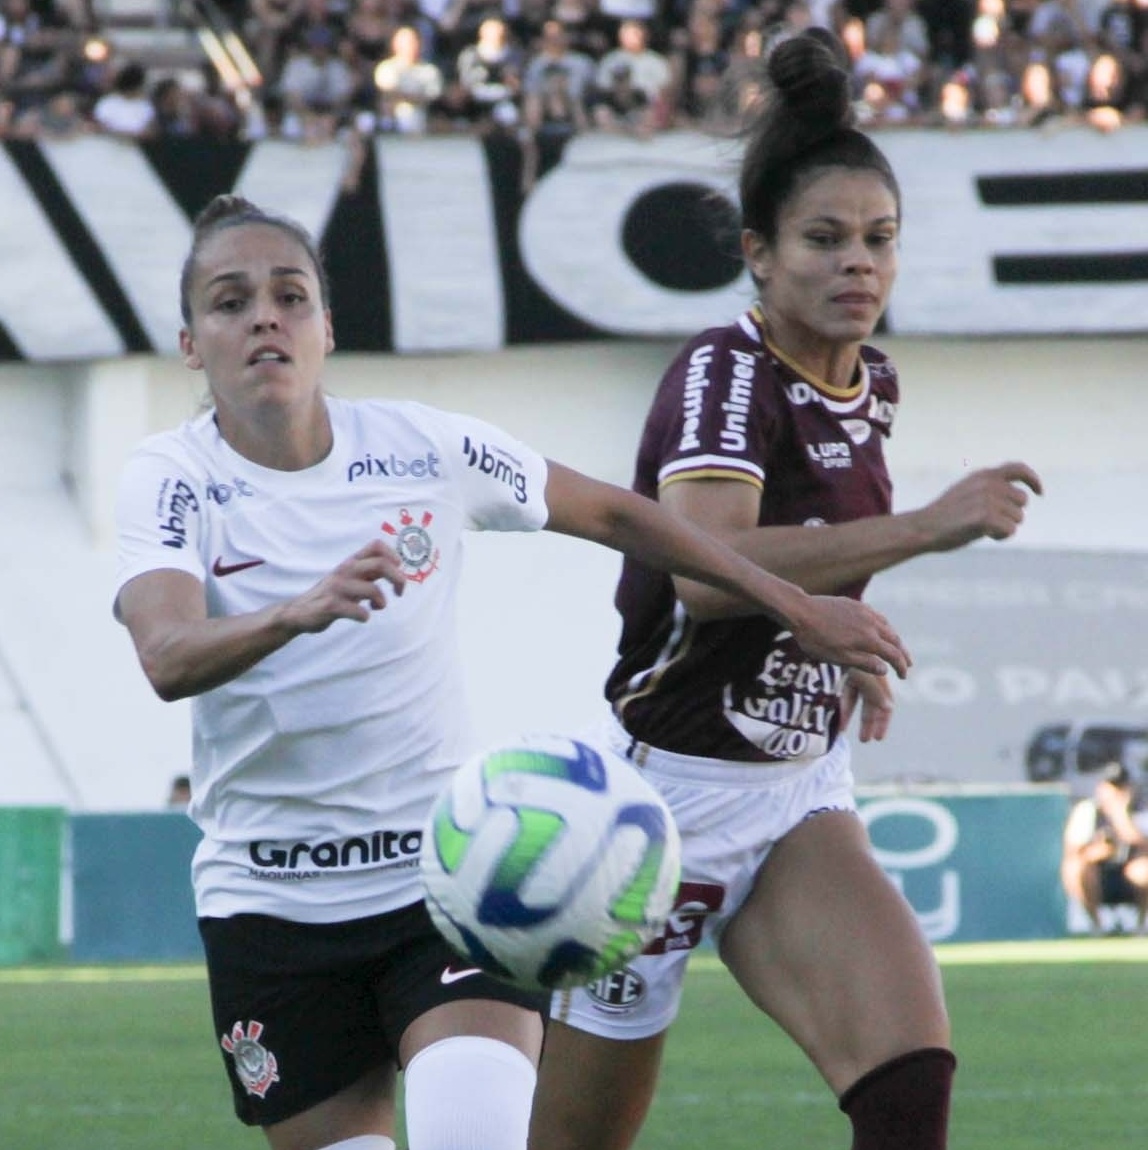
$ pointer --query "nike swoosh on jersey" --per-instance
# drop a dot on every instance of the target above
(219, 568)
(451, 975)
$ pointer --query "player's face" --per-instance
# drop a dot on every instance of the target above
(259, 329)
(827, 279)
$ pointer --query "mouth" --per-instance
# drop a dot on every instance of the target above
(268, 355)
(855, 299)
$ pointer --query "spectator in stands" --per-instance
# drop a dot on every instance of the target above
(587, 29)
(622, 106)
(317, 83)
(699, 62)
(174, 106)
(36, 46)
(270, 29)
(742, 83)
(551, 115)
(554, 49)
(1107, 99)
(407, 85)
(489, 76)
(1040, 101)
(179, 793)
(909, 30)
(888, 76)
(370, 27)
(1120, 25)
(1105, 859)
(649, 70)
(60, 117)
(127, 109)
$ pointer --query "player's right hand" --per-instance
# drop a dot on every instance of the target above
(351, 591)
(843, 631)
(985, 504)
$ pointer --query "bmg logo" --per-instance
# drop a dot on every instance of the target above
(942, 833)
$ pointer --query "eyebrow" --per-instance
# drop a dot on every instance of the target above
(239, 277)
(837, 221)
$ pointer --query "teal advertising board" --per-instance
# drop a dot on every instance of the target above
(975, 867)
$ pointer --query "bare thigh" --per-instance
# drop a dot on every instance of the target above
(593, 1093)
(366, 1107)
(830, 949)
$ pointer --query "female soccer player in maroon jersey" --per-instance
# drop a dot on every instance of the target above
(769, 434)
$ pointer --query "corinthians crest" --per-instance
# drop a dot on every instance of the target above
(415, 547)
(255, 1065)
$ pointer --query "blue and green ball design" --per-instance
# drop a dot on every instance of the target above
(549, 863)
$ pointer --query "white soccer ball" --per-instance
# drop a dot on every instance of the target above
(549, 863)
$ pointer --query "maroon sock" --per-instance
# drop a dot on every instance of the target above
(903, 1104)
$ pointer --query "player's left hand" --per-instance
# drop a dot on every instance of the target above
(851, 634)
(875, 695)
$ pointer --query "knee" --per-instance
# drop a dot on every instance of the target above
(468, 1093)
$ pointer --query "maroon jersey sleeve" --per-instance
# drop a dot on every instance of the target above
(731, 407)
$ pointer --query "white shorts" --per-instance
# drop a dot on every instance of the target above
(729, 816)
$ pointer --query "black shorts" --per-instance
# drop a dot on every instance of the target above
(302, 1011)
(1115, 888)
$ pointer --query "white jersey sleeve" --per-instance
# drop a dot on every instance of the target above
(502, 482)
(159, 512)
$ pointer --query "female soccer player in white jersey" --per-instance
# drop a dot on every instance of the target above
(292, 560)
(769, 432)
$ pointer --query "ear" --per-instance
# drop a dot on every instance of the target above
(191, 358)
(758, 258)
(329, 342)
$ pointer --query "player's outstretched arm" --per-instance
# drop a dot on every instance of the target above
(836, 630)
(985, 504)
(183, 652)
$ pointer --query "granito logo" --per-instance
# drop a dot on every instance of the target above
(387, 847)
(498, 464)
(694, 396)
(392, 467)
(176, 501)
(221, 493)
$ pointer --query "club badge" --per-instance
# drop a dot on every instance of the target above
(416, 550)
(255, 1065)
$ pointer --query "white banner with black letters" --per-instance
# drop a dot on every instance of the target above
(437, 249)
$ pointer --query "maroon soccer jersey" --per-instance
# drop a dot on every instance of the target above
(732, 407)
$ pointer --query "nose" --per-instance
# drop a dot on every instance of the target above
(858, 258)
(264, 316)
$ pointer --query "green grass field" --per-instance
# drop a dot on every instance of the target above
(1053, 1040)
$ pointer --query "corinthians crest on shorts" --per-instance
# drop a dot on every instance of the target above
(255, 1065)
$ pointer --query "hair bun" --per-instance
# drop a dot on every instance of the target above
(224, 207)
(811, 82)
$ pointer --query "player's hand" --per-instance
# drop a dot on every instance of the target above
(875, 695)
(843, 631)
(351, 591)
(986, 504)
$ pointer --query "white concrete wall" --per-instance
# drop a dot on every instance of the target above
(78, 724)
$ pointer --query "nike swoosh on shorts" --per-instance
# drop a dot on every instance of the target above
(451, 975)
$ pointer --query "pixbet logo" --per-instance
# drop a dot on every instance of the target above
(392, 467)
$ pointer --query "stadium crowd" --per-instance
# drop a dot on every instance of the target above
(544, 70)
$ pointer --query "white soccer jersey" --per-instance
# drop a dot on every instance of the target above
(313, 771)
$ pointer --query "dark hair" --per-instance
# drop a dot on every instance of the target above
(234, 211)
(805, 126)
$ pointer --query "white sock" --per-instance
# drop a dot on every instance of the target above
(363, 1142)
(469, 1093)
